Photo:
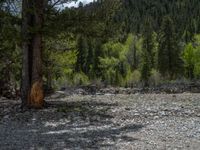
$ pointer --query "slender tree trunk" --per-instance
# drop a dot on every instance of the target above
(32, 85)
(26, 81)
(135, 58)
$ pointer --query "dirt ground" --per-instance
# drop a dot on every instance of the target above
(126, 122)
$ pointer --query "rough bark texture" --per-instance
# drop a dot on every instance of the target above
(32, 85)
(25, 88)
(37, 95)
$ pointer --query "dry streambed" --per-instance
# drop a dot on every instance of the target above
(138, 121)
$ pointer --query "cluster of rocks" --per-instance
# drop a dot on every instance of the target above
(136, 121)
(170, 88)
(9, 89)
(8, 107)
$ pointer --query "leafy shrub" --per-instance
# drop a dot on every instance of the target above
(80, 79)
(97, 82)
(155, 77)
(197, 70)
(133, 78)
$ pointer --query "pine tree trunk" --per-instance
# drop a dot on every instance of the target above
(26, 51)
(32, 85)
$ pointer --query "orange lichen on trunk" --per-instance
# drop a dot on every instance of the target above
(36, 99)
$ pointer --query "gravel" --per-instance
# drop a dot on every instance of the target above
(110, 121)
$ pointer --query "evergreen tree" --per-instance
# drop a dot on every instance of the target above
(134, 47)
(146, 69)
(82, 48)
(189, 60)
(90, 59)
(97, 54)
(148, 42)
(169, 61)
(32, 42)
(185, 14)
(148, 52)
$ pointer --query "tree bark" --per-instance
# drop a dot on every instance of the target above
(32, 84)
(26, 43)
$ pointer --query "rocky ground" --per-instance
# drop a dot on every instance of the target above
(107, 121)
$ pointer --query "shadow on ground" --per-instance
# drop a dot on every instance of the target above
(74, 125)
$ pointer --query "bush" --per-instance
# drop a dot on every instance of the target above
(197, 71)
(133, 78)
(80, 79)
(98, 82)
(155, 78)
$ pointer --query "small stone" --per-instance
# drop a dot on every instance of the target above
(162, 113)
(156, 117)
(127, 108)
(6, 117)
(136, 114)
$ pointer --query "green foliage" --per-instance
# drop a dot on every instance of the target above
(197, 69)
(108, 67)
(155, 78)
(82, 49)
(118, 42)
(191, 57)
(148, 45)
(148, 52)
(185, 14)
(133, 78)
(197, 57)
(59, 63)
(145, 71)
(90, 59)
(169, 60)
(88, 53)
(189, 60)
(10, 53)
(80, 79)
(116, 64)
(113, 63)
(134, 47)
